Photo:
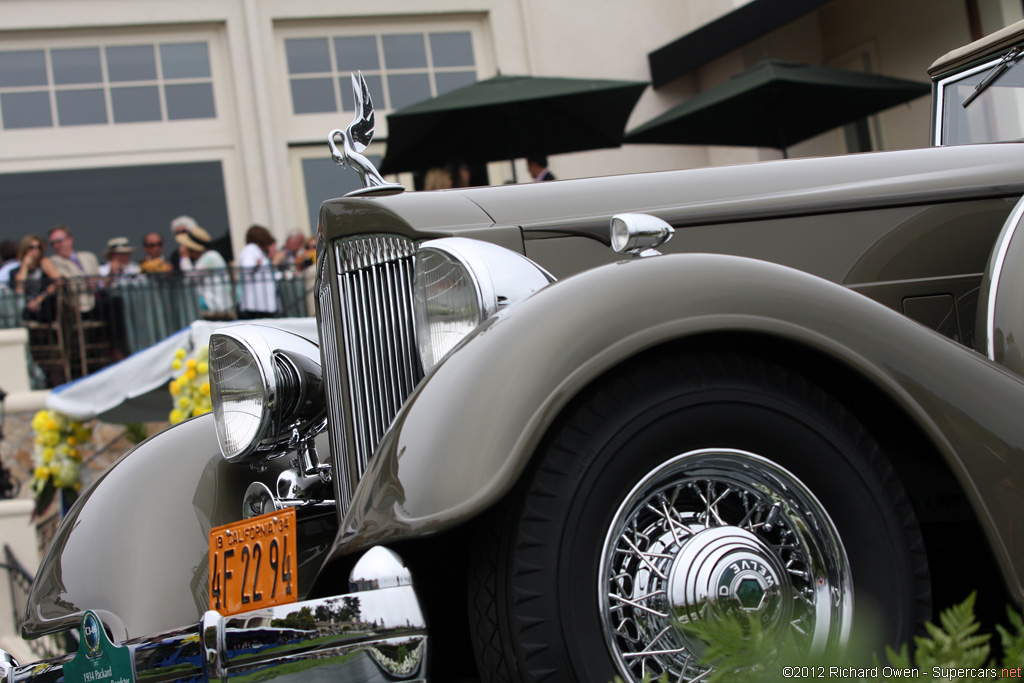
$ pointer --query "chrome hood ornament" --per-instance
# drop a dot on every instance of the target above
(356, 139)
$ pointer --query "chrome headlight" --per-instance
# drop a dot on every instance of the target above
(459, 282)
(265, 384)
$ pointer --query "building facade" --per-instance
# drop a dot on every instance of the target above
(118, 115)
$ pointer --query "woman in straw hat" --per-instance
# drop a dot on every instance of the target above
(215, 301)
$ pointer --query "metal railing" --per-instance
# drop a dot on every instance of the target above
(20, 581)
(85, 324)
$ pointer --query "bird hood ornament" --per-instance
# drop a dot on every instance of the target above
(354, 141)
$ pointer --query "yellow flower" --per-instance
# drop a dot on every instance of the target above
(176, 364)
(204, 389)
(190, 363)
(176, 416)
(190, 374)
(179, 354)
(200, 410)
(48, 454)
(203, 368)
(51, 439)
(51, 425)
(174, 387)
(39, 420)
(184, 403)
(74, 454)
(72, 440)
(41, 472)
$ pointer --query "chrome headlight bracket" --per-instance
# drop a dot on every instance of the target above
(267, 391)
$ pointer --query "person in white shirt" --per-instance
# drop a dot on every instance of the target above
(119, 266)
(259, 286)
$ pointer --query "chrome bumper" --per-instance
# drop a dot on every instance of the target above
(376, 632)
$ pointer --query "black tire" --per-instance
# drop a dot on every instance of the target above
(675, 424)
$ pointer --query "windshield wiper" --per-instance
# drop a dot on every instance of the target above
(1008, 60)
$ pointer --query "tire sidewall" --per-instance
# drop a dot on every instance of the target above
(641, 430)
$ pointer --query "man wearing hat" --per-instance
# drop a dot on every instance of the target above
(215, 300)
(119, 263)
(180, 261)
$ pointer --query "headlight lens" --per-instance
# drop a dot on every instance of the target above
(240, 395)
(447, 302)
(458, 283)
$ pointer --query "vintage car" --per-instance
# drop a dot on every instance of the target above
(528, 446)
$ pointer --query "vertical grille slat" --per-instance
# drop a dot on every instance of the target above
(378, 343)
(332, 378)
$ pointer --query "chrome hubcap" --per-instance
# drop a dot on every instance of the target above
(710, 535)
(723, 571)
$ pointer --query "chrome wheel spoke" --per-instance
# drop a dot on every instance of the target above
(710, 534)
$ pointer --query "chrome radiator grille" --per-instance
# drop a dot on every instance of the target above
(377, 345)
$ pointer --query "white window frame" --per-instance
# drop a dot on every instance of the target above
(45, 144)
(304, 128)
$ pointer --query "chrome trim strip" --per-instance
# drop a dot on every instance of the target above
(998, 259)
(332, 383)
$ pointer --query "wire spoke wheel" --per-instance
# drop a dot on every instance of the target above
(716, 534)
(682, 496)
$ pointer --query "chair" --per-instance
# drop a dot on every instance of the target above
(46, 342)
(88, 339)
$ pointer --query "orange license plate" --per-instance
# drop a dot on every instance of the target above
(253, 563)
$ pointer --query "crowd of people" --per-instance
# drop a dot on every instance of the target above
(26, 268)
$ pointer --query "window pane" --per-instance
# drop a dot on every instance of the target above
(453, 80)
(185, 60)
(190, 101)
(131, 63)
(81, 107)
(81, 65)
(357, 54)
(307, 55)
(26, 110)
(406, 89)
(451, 49)
(136, 104)
(313, 95)
(404, 52)
(27, 67)
(373, 84)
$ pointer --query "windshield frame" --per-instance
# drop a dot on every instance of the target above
(942, 83)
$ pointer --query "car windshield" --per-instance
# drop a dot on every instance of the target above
(996, 112)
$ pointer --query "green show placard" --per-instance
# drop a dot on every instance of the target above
(98, 660)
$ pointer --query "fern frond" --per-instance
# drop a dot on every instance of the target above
(1013, 641)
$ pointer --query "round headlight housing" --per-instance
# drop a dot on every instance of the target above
(241, 393)
(458, 283)
(264, 384)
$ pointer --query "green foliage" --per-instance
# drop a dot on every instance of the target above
(956, 644)
(135, 432)
(741, 651)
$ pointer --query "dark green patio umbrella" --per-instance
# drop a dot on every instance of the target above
(776, 104)
(509, 117)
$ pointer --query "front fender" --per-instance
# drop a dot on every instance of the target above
(134, 547)
(469, 429)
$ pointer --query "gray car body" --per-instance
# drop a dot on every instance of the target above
(807, 259)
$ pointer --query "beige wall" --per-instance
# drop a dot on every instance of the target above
(255, 135)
